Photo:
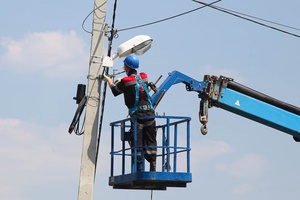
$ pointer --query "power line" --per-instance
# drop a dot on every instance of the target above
(168, 18)
(239, 16)
(98, 7)
(271, 22)
(228, 11)
(105, 71)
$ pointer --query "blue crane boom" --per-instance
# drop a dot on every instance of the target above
(226, 94)
(221, 92)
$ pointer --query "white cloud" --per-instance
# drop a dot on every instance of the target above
(209, 149)
(32, 155)
(53, 54)
(248, 166)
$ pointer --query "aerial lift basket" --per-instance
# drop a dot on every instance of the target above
(173, 155)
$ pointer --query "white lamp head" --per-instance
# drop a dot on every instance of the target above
(137, 45)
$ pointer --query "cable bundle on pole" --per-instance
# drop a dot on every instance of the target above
(105, 71)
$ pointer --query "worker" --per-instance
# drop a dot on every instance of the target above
(136, 95)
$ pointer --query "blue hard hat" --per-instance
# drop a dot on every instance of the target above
(132, 61)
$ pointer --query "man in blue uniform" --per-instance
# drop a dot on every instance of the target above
(136, 96)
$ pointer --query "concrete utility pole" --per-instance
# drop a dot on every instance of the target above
(89, 148)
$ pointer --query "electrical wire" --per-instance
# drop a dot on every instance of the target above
(105, 71)
(271, 22)
(76, 129)
(151, 195)
(168, 18)
(239, 16)
(83, 22)
(228, 11)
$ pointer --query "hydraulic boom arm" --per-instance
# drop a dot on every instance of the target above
(224, 93)
(174, 78)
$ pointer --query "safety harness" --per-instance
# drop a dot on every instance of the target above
(139, 83)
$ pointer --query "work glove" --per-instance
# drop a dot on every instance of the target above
(104, 77)
(118, 81)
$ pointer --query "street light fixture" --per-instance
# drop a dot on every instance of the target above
(138, 45)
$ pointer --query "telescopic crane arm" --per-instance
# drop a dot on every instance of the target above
(224, 93)
(174, 78)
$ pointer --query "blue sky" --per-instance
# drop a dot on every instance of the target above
(44, 54)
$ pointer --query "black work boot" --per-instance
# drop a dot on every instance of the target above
(153, 166)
